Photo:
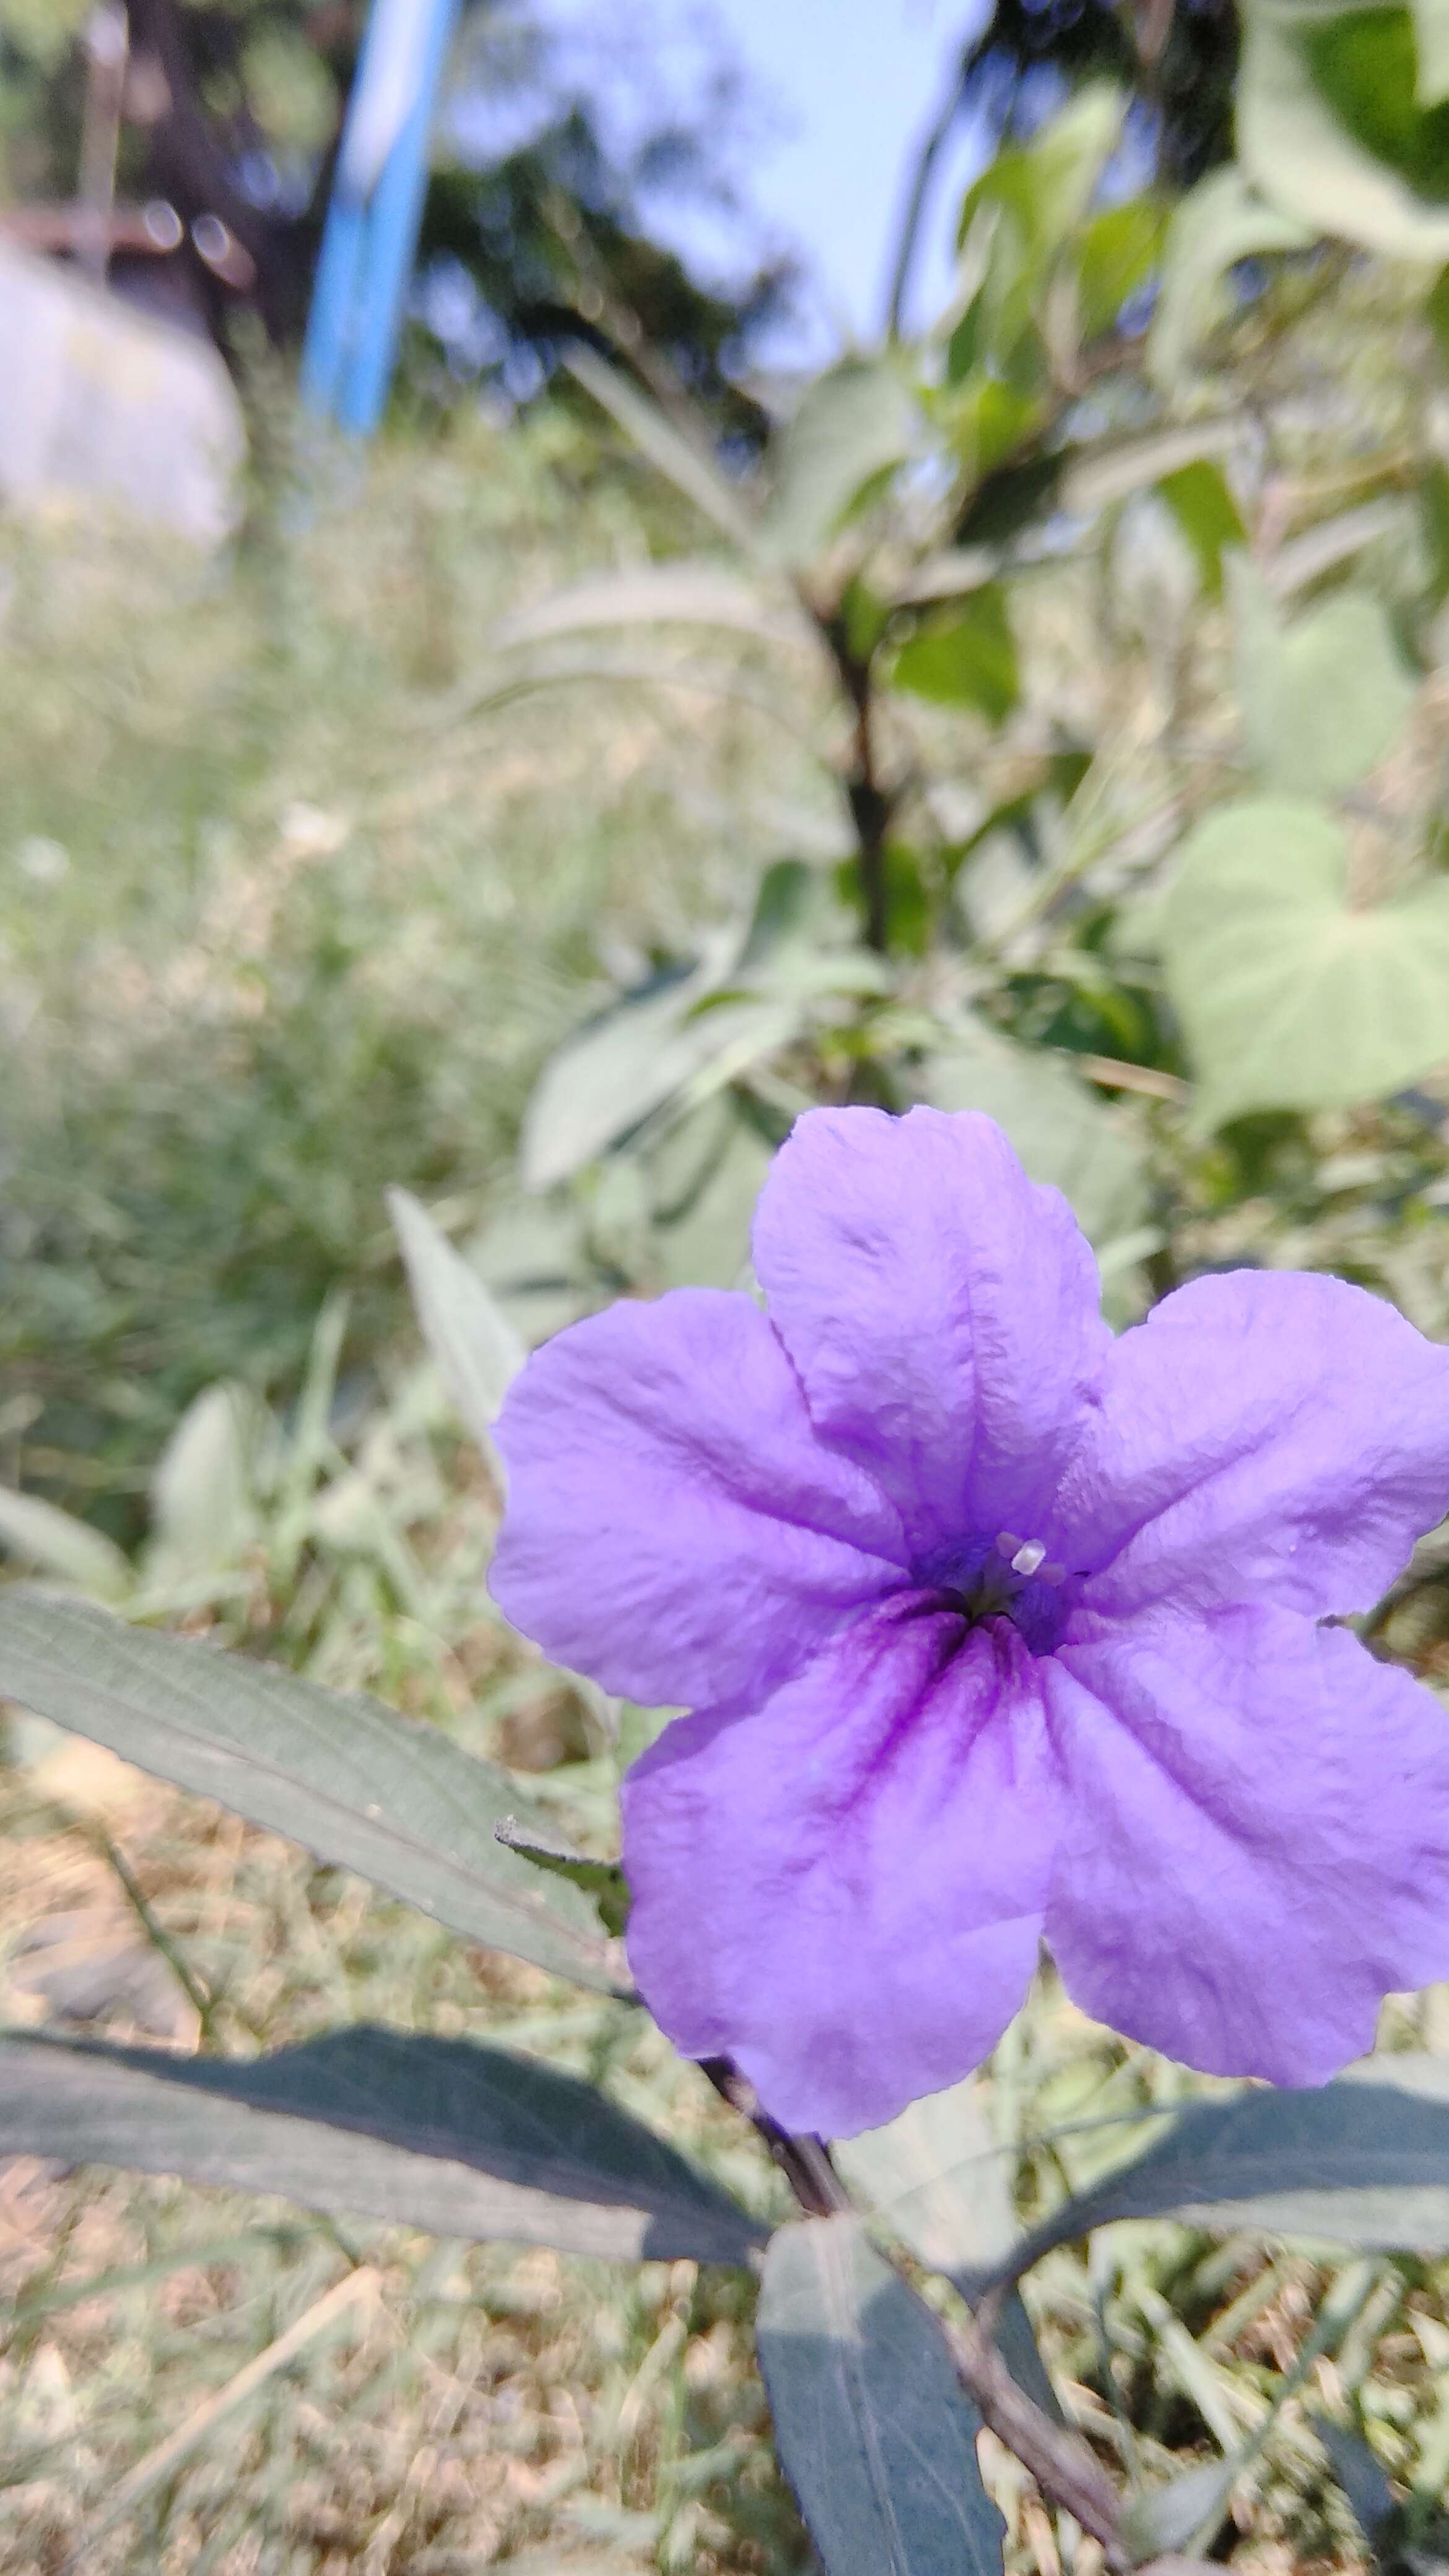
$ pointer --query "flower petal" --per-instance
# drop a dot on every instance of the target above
(1258, 1848)
(674, 1528)
(1267, 1432)
(843, 1891)
(941, 1310)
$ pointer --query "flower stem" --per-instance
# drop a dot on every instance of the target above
(1059, 2460)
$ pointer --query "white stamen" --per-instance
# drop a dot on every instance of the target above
(1028, 1557)
(1007, 1544)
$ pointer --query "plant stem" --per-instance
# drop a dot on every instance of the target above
(871, 802)
(805, 2162)
(1060, 2461)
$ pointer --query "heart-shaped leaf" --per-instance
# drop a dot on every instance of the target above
(1291, 995)
(1322, 698)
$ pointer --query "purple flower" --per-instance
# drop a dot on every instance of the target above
(993, 1629)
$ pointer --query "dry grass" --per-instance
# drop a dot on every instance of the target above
(311, 929)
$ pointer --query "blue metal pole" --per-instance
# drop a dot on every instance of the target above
(393, 219)
(370, 239)
(335, 296)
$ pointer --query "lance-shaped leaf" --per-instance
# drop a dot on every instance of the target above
(873, 2430)
(687, 464)
(433, 2133)
(603, 1879)
(54, 1542)
(475, 1346)
(663, 594)
(1329, 128)
(358, 1785)
(1362, 2162)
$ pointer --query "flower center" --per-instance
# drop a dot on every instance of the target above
(1008, 1577)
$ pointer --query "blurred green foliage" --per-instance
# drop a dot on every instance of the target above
(1054, 724)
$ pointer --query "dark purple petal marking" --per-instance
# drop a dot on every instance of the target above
(863, 1863)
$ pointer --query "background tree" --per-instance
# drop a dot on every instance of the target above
(234, 112)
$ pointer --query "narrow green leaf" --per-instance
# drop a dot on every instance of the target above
(471, 1339)
(1356, 2468)
(688, 466)
(1119, 250)
(603, 1880)
(1362, 2162)
(54, 1542)
(873, 2430)
(1330, 129)
(661, 594)
(1291, 997)
(650, 1048)
(203, 1510)
(355, 1783)
(433, 2133)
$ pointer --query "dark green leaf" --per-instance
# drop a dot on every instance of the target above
(873, 2430)
(603, 1880)
(1434, 520)
(1358, 2472)
(1363, 2162)
(1010, 500)
(965, 659)
(357, 1784)
(431, 2133)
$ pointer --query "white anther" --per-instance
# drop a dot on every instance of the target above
(1028, 1557)
(1007, 1544)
